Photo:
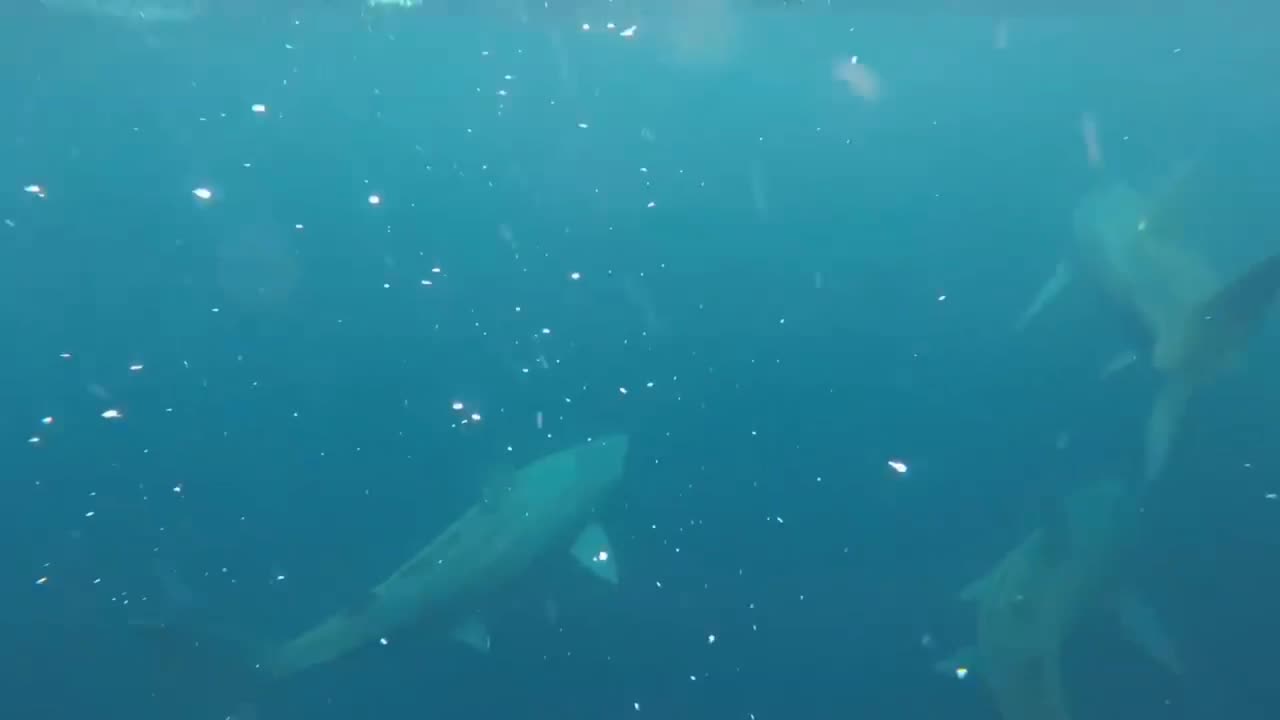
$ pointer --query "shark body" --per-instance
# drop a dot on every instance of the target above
(1197, 323)
(541, 508)
(1028, 605)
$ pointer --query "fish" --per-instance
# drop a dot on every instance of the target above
(1030, 602)
(545, 507)
(1196, 325)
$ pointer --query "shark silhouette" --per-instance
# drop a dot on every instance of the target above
(542, 507)
(1197, 324)
(1030, 602)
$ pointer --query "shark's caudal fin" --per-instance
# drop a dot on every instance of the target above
(1051, 289)
(1213, 336)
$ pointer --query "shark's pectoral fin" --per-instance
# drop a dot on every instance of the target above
(1118, 362)
(473, 633)
(1143, 626)
(1204, 344)
(1051, 289)
(960, 663)
(594, 552)
(1162, 425)
(1234, 314)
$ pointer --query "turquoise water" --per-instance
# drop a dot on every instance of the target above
(259, 275)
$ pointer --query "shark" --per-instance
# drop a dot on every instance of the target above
(538, 510)
(1027, 606)
(1197, 323)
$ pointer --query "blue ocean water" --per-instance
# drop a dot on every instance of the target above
(280, 296)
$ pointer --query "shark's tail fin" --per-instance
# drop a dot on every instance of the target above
(1213, 336)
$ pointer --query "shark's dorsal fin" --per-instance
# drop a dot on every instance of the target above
(594, 552)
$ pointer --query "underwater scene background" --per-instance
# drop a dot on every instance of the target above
(281, 297)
